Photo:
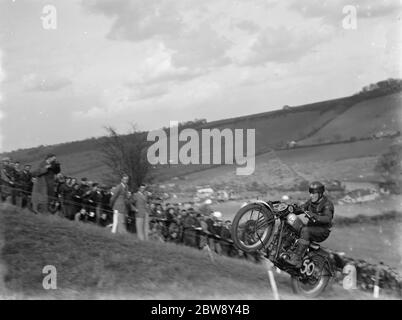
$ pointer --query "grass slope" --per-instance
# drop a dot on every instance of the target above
(92, 263)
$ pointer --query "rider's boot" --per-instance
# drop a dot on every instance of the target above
(297, 255)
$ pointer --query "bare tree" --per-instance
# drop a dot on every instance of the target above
(389, 165)
(126, 154)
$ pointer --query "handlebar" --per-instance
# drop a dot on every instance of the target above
(310, 217)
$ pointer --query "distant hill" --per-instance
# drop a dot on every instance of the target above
(355, 117)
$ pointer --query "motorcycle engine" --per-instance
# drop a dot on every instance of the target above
(288, 239)
(294, 222)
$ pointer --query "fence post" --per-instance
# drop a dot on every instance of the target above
(376, 290)
(269, 265)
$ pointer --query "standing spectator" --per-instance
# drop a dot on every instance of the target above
(140, 201)
(190, 233)
(204, 231)
(39, 191)
(16, 191)
(43, 187)
(181, 216)
(106, 210)
(228, 248)
(26, 185)
(214, 227)
(86, 191)
(66, 193)
(76, 203)
(93, 200)
(119, 204)
(83, 189)
(50, 177)
(79, 191)
(205, 207)
(130, 221)
(6, 180)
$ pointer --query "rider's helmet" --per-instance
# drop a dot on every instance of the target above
(316, 187)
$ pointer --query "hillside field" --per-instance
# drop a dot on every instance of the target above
(379, 114)
(287, 168)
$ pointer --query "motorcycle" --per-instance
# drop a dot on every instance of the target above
(272, 228)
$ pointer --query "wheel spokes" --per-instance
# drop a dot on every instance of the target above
(253, 228)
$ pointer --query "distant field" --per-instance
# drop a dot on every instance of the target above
(370, 242)
(346, 161)
(384, 113)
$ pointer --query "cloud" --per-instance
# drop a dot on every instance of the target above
(283, 45)
(158, 68)
(247, 26)
(202, 47)
(192, 42)
(138, 20)
(148, 92)
(34, 82)
(174, 76)
(330, 11)
(122, 98)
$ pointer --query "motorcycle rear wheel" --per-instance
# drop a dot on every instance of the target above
(313, 288)
(252, 235)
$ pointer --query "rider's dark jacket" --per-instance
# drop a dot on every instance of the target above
(323, 212)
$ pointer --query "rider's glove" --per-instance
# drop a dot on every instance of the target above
(313, 217)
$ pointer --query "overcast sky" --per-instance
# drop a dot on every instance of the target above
(148, 62)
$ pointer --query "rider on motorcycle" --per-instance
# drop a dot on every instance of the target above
(321, 210)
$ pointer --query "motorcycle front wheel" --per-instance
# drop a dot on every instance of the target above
(252, 227)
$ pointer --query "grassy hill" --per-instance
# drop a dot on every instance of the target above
(92, 263)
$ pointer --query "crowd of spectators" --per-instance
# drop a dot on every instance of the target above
(191, 224)
(47, 190)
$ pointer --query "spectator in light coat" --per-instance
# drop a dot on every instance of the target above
(140, 203)
(119, 201)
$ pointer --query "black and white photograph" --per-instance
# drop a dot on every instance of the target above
(219, 152)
